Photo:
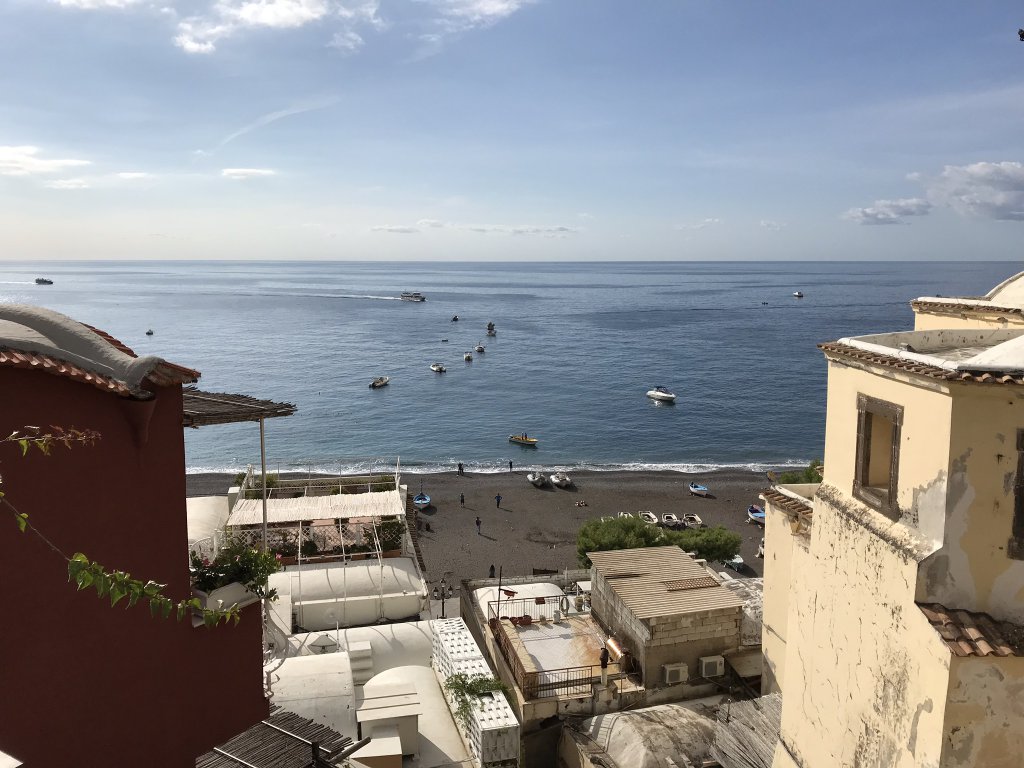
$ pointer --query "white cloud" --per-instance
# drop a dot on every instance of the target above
(241, 174)
(347, 41)
(92, 5)
(889, 211)
(25, 161)
(397, 230)
(431, 224)
(134, 175)
(699, 225)
(986, 190)
(771, 226)
(456, 17)
(67, 184)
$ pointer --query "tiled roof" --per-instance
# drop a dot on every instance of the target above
(788, 503)
(974, 634)
(640, 578)
(951, 306)
(921, 369)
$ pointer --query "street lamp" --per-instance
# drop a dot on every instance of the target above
(444, 595)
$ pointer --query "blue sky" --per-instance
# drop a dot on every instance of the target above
(509, 129)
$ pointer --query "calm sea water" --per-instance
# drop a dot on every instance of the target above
(578, 345)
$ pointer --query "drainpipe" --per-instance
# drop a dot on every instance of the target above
(263, 466)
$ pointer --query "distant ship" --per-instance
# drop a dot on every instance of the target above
(413, 296)
(43, 281)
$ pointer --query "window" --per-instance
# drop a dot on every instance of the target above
(1015, 549)
(878, 454)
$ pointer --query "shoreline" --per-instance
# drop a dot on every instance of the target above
(536, 527)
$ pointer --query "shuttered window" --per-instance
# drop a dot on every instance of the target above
(876, 478)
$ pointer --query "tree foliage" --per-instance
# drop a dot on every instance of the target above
(810, 474)
(632, 533)
(465, 689)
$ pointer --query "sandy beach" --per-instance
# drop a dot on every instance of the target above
(536, 528)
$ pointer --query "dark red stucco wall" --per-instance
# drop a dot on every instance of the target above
(82, 683)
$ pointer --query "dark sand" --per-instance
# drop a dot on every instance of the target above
(536, 528)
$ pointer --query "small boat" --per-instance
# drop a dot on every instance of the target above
(444, 341)
(662, 393)
(561, 480)
(421, 500)
(413, 296)
(648, 517)
(468, 357)
(797, 295)
(149, 332)
(43, 281)
(693, 521)
(755, 514)
(438, 368)
(696, 489)
(490, 330)
(736, 563)
(530, 442)
(537, 478)
(626, 514)
(670, 521)
(760, 548)
(479, 347)
(455, 318)
(379, 382)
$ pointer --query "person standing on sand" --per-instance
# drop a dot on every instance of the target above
(510, 465)
(490, 573)
(462, 500)
(497, 501)
(460, 469)
(478, 525)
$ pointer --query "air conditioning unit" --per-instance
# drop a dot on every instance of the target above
(712, 666)
(676, 673)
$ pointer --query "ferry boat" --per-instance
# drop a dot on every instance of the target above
(413, 296)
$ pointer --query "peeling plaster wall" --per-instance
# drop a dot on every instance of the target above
(985, 713)
(927, 321)
(972, 570)
(866, 675)
(924, 440)
(778, 556)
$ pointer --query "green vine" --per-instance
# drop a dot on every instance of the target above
(466, 688)
(117, 585)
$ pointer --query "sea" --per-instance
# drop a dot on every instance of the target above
(577, 347)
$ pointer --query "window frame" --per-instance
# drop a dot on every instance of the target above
(885, 500)
(1015, 546)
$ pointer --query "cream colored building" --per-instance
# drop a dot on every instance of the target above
(894, 591)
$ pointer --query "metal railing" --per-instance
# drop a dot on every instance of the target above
(547, 608)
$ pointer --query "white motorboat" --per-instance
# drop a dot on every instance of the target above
(648, 517)
(537, 478)
(696, 489)
(693, 521)
(413, 296)
(468, 357)
(561, 480)
(379, 382)
(670, 521)
(662, 393)
(438, 368)
(798, 295)
(479, 347)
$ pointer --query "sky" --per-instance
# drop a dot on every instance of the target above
(511, 130)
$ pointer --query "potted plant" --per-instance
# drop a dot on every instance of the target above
(236, 576)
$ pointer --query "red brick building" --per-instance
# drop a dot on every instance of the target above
(82, 683)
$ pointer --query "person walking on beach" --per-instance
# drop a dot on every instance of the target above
(510, 465)
(478, 525)
(460, 469)
(497, 501)
(462, 500)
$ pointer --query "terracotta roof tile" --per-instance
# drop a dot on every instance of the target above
(921, 369)
(977, 309)
(967, 633)
(788, 503)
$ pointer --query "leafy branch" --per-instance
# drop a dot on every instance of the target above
(465, 689)
(116, 585)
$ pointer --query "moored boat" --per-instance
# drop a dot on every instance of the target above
(455, 318)
(438, 368)
(693, 521)
(648, 517)
(421, 500)
(561, 480)
(413, 296)
(468, 357)
(529, 442)
(736, 563)
(43, 281)
(537, 478)
(491, 331)
(755, 515)
(149, 332)
(696, 489)
(662, 393)
(379, 382)
(798, 294)
(669, 520)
